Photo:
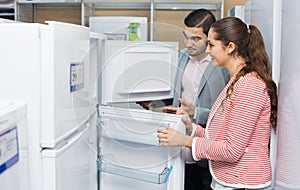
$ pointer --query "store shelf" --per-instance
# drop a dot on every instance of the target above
(90, 7)
(158, 4)
(25, 9)
(51, 3)
(7, 9)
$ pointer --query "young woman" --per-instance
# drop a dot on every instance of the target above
(237, 133)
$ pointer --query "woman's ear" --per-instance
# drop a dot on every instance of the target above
(230, 48)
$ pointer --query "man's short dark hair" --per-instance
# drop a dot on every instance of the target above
(200, 18)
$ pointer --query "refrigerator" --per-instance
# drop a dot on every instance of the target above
(47, 65)
(288, 154)
(13, 145)
(85, 130)
(280, 31)
(129, 154)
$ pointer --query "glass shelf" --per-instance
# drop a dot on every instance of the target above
(157, 178)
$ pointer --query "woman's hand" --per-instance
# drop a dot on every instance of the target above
(171, 137)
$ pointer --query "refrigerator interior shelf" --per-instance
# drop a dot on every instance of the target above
(157, 178)
(127, 136)
(138, 130)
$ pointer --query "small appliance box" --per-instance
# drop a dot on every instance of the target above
(121, 28)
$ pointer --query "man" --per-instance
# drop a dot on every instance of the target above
(197, 85)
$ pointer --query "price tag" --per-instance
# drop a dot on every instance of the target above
(76, 76)
(9, 150)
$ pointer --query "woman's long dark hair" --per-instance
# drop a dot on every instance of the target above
(250, 46)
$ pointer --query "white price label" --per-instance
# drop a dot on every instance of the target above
(9, 150)
(76, 76)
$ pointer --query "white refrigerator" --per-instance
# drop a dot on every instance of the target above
(13, 145)
(47, 65)
(288, 136)
(280, 29)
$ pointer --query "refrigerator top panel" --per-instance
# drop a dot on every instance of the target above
(121, 27)
(11, 111)
(138, 71)
(6, 21)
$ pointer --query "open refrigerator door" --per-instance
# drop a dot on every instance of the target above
(129, 154)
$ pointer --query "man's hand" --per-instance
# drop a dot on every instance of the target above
(145, 104)
(187, 107)
(170, 109)
(188, 124)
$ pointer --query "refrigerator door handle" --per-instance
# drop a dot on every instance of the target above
(66, 144)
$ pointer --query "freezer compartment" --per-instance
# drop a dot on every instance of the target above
(137, 71)
(157, 178)
(65, 88)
